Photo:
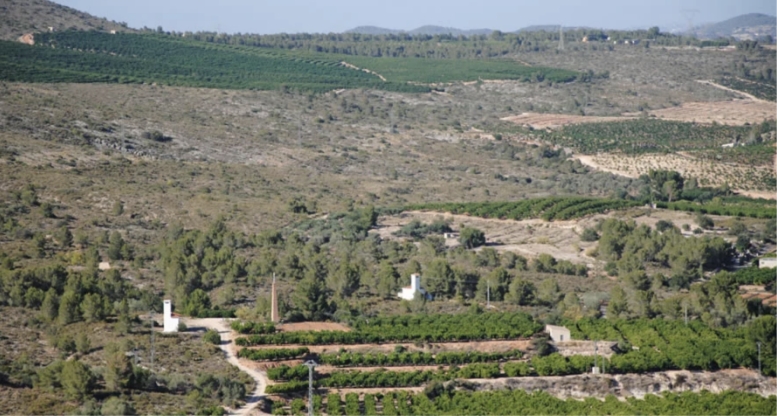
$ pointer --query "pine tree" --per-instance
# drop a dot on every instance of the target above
(386, 280)
(309, 299)
(77, 379)
(50, 307)
(115, 247)
(68, 308)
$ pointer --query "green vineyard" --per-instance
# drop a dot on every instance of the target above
(430, 328)
(90, 57)
(519, 402)
(549, 209)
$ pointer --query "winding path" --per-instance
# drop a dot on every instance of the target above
(221, 325)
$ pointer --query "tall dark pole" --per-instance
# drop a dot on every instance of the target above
(310, 364)
(759, 358)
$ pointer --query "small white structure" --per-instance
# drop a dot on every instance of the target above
(171, 324)
(558, 333)
(408, 292)
(104, 265)
(767, 262)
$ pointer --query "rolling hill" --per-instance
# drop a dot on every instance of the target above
(18, 17)
(746, 26)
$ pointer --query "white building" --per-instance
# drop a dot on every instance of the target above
(171, 324)
(767, 262)
(408, 292)
(558, 333)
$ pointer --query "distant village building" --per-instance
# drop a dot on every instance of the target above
(558, 333)
(113, 32)
(104, 265)
(450, 235)
(170, 323)
(767, 262)
(409, 292)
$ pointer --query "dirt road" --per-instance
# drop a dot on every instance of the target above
(228, 347)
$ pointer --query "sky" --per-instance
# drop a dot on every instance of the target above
(324, 16)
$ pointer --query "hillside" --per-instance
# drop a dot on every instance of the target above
(18, 17)
(746, 26)
(372, 30)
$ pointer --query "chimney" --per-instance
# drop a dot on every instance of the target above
(274, 303)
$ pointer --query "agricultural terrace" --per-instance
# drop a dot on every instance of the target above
(641, 346)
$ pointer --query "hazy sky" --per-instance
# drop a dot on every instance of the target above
(292, 16)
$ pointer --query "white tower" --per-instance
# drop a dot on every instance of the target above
(171, 324)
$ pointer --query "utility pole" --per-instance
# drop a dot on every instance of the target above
(310, 364)
(685, 308)
(561, 38)
(759, 357)
(596, 355)
(151, 361)
(488, 295)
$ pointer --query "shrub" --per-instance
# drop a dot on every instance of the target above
(212, 336)
(589, 234)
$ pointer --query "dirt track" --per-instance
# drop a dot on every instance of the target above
(228, 347)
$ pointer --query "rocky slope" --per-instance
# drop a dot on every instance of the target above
(19, 17)
(636, 385)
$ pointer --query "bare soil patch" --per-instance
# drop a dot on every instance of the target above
(708, 172)
(313, 326)
(733, 113)
(528, 238)
(554, 121)
(480, 346)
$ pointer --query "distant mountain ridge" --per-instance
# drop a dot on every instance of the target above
(19, 17)
(743, 27)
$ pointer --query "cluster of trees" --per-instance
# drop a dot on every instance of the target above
(443, 45)
(194, 262)
(418, 230)
(627, 248)
(754, 275)
(549, 209)
(78, 381)
(273, 354)
(444, 401)
(350, 359)
(65, 296)
(407, 328)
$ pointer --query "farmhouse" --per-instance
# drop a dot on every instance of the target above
(408, 292)
(558, 333)
(767, 262)
(170, 323)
